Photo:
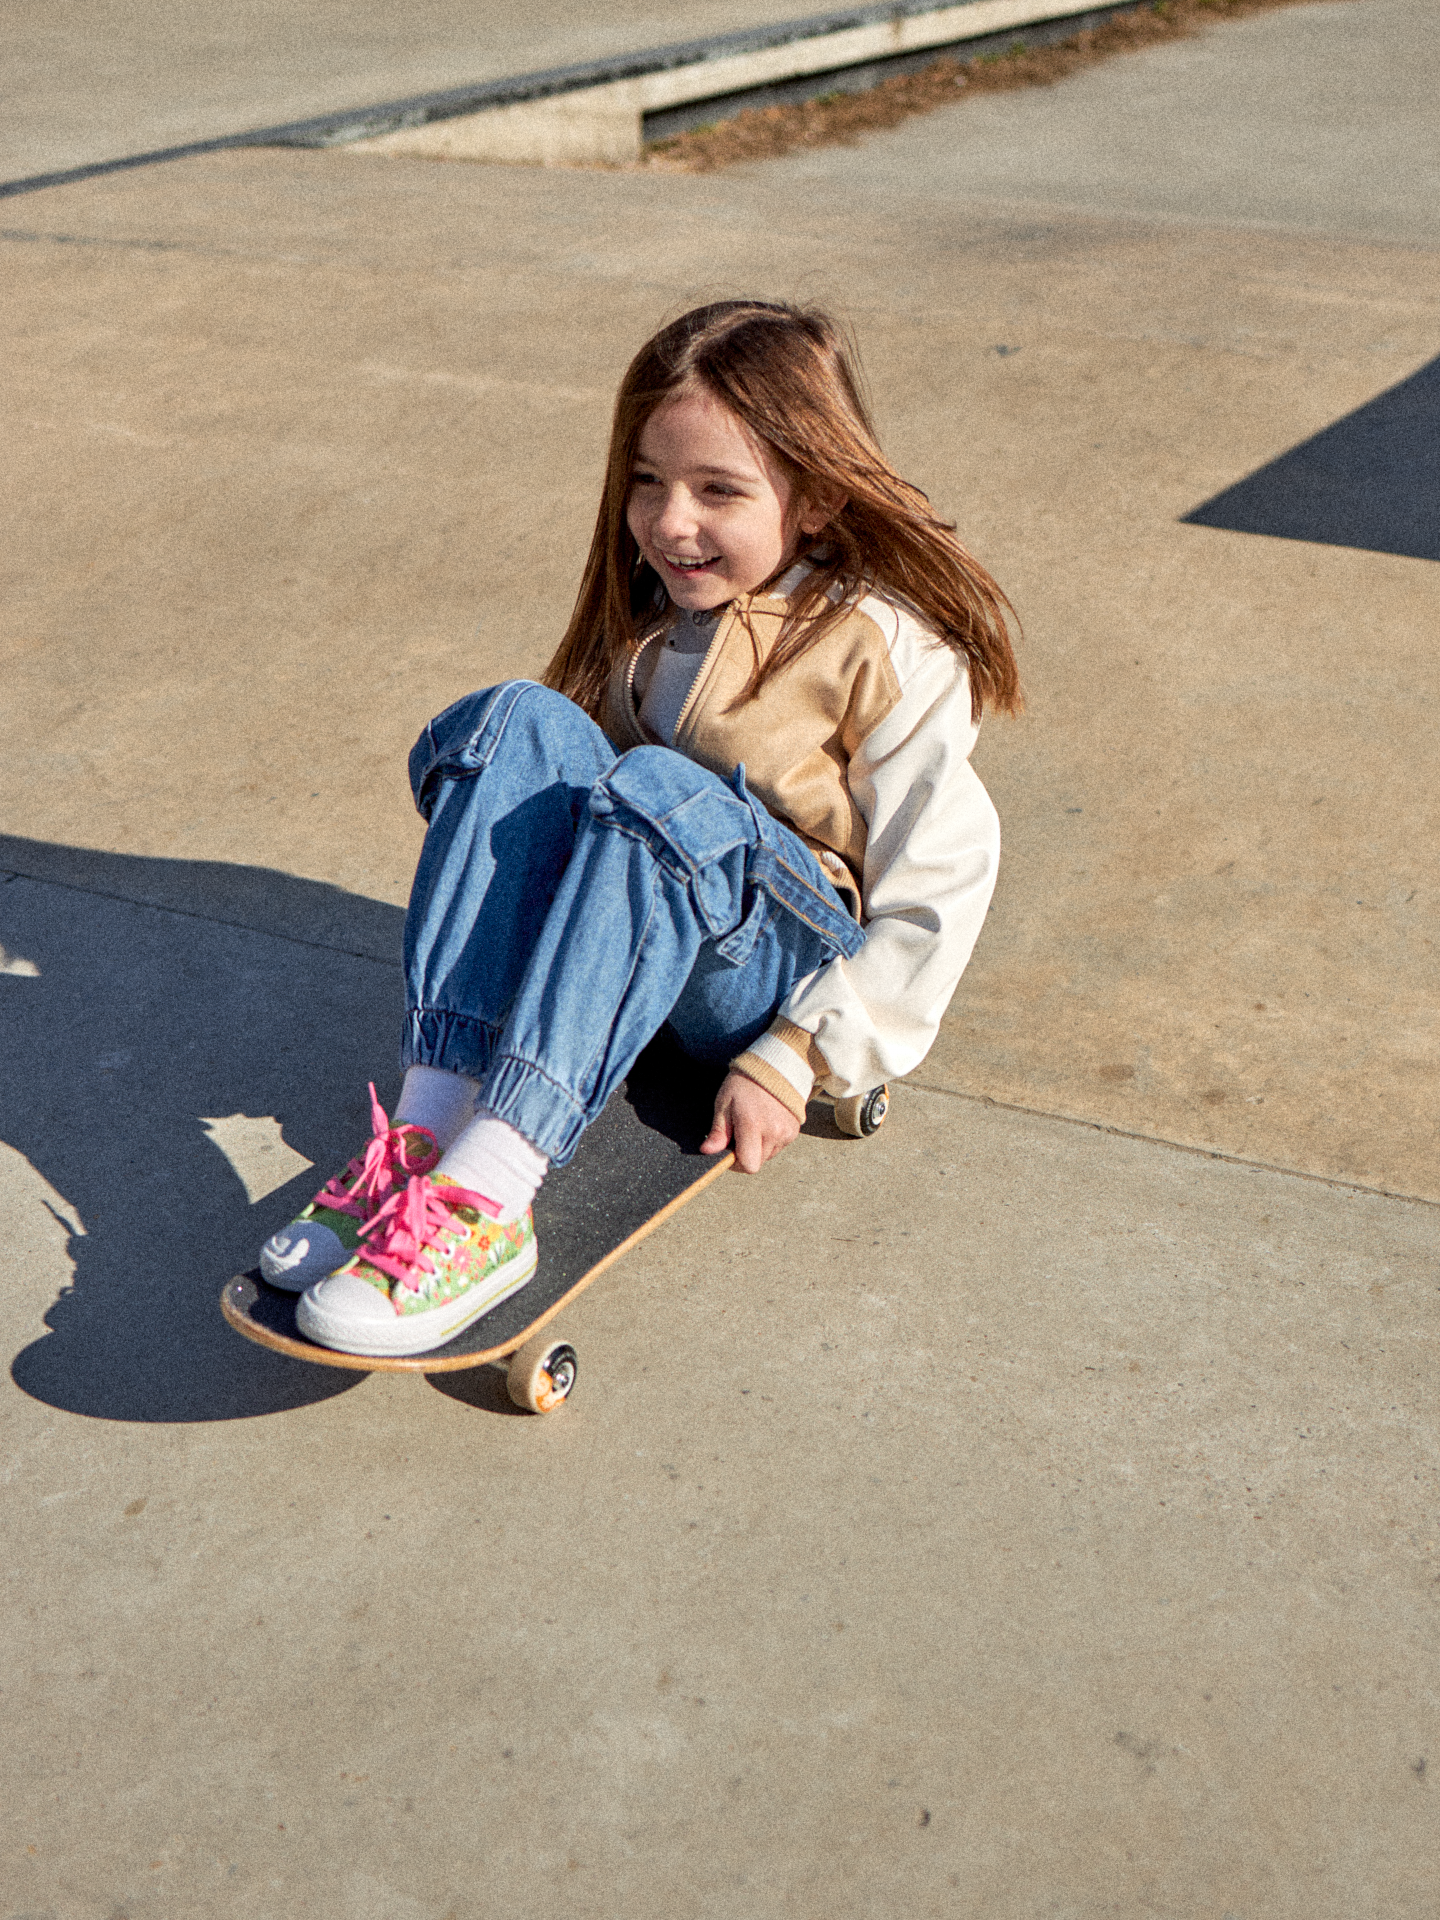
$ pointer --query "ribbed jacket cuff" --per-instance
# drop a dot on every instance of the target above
(784, 1061)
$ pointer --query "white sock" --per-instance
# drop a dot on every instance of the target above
(492, 1159)
(442, 1102)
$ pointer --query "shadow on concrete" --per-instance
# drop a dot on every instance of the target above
(1370, 481)
(168, 994)
(483, 1388)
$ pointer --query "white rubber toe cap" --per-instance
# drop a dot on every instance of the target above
(347, 1312)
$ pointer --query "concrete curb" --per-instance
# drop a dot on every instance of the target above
(572, 119)
(602, 110)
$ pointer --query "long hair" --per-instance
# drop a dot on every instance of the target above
(784, 373)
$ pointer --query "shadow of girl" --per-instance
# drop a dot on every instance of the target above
(152, 1048)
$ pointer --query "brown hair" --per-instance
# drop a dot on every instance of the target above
(784, 373)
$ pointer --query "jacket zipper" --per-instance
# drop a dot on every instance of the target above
(632, 667)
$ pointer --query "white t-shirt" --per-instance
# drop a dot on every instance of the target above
(666, 670)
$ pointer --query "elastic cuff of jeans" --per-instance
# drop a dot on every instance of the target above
(454, 1042)
(528, 1100)
(755, 1067)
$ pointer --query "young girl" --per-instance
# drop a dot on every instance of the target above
(741, 804)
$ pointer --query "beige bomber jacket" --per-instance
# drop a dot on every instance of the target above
(861, 746)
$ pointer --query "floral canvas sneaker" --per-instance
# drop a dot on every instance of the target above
(430, 1261)
(328, 1231)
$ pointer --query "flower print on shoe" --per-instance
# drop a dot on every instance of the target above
(327, 1233)
(430, 1261)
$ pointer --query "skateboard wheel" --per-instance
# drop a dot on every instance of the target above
(862, 1113)
(541, 1373)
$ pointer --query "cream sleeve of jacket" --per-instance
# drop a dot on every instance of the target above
(932, 851)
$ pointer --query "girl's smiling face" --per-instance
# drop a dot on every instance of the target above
(710, 508)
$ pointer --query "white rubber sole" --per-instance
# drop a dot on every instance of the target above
(394, 1335)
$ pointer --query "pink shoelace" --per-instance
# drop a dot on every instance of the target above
(410, 1223)
(372, 1174)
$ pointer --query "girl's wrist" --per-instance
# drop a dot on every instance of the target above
(762, 1063)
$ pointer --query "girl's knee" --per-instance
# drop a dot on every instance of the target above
(663, 770)
(668, 799)
(518, 725)
(651, 781)
(468, 721)
(644, 769)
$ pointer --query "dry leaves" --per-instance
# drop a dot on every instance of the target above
(840, 119)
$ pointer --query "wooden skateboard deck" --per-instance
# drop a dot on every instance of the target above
(636, 1166)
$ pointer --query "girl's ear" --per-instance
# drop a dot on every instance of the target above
(819, 506)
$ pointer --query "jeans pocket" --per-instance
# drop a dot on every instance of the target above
(738, 945)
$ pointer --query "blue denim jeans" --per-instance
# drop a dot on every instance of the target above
(569, 903)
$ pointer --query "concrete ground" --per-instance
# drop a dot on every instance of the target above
(1031, 1511)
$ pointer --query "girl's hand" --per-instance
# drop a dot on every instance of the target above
(757, 1123)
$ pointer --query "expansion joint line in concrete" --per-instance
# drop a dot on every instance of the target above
(1176, 1146)
(951, 1093)
(27, 236)
(8, 874)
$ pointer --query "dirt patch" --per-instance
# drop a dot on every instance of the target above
(842, 119)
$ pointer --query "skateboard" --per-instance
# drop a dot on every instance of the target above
(638, 1164)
